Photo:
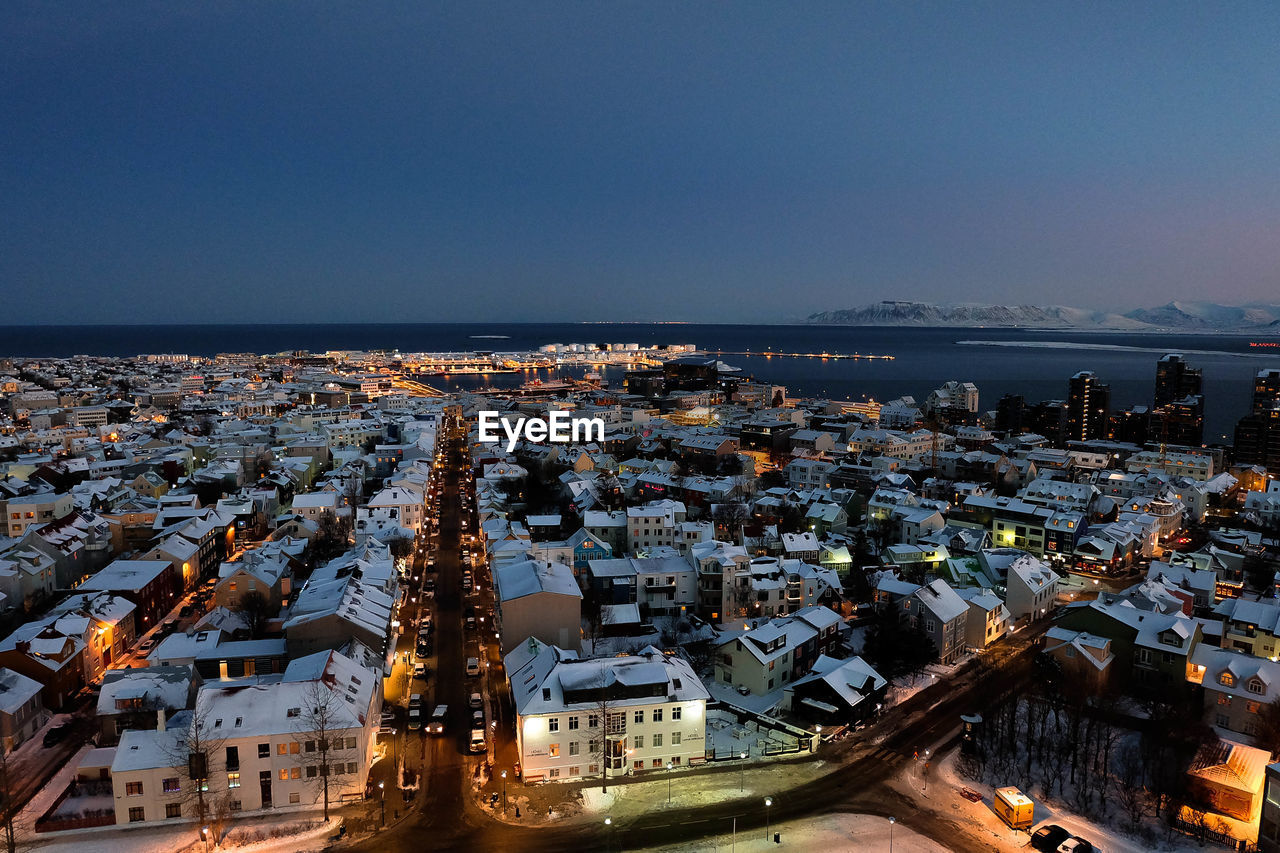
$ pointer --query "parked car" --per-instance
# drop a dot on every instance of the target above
(419, 670)
(1075, 844)
(473, 666)
(415, 718)
(54, 735)
(477, 740)
(477, 719)
(476, 702)
(1047, 839)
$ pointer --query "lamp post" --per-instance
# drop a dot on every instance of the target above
(204, 836)
(382, 801)
(669, 766)
(891, 823)
(742, 772)
(504, 792)
(608, 835)
(768, 801)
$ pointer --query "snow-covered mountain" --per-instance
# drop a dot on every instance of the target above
(1202, 316)
(1208, 315)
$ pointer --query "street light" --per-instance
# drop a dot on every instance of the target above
(742, 771)
(382, 801)
(504, 792)
(891, 823)
(768, 801)
(669, 766)
(608, 836)
(204, 835)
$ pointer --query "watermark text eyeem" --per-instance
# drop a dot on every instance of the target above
(559, 428)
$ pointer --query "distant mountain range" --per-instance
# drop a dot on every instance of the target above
(1184, 316)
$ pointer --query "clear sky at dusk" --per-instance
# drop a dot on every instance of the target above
(294, 162)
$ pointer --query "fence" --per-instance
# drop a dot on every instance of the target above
(803, 739)
(1204, 833)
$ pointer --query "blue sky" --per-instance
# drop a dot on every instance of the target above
(694, 161)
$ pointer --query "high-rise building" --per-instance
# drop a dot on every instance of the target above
(1009, 413)
(1175, 380)
(1180, 421)
(1258, 440)
(1266, 391)
(1132, 426)
(1088, 406)
(1048, 418)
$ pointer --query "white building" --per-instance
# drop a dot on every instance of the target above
(1193, 465)
(580, 719)
(265, 755)
(1031, 588)
(400, 505)
(654, 524)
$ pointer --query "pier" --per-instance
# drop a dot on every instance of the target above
(818, 355)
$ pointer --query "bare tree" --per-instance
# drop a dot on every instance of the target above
(1131, 794)
(319, 732)
(729, 518)
(7, 811)
(602, 721)
(194, 754)
(255, 608)
(332, 536)
(352, 490)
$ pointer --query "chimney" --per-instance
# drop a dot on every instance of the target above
(160, 719)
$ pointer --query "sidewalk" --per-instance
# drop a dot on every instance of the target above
(830, 832)
(584, 802)
(293, 833)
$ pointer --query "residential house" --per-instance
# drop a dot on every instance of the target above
(537, 599)
(836, 692)
(588, 719)
(943, 616)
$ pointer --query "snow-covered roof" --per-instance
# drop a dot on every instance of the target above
(16, 690)
(942, 601)
(852, 680)
(548, 681)
(530, 577)
(157, 686)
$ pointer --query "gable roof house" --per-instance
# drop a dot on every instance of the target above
(836, 692)
(943, 616)
(537, 599)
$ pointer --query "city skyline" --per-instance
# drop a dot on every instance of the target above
(240, 164)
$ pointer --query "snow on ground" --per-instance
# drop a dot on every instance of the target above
(829, 832)
(727, 736)
(692, 791)
(44, 798)
(905, 688)
(758, 704)
(944, 793)
(250, 835)
(858, 638)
